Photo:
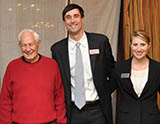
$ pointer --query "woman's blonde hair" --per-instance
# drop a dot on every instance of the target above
(142, 35)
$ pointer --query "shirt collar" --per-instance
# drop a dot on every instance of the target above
(30, 62)
(82, 41)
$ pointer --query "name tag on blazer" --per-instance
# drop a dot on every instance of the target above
(94, 51)
(125, 75)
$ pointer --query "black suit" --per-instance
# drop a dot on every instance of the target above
(131, 108)
(101, 64)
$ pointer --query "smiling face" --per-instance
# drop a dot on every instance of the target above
(73, 22)
(139, 48)
(29, 47)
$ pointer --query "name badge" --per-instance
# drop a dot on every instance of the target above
(125, 75)
(94, 51)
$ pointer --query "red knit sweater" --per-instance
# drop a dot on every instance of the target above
(32, 93)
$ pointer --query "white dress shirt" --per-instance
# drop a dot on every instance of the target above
(139, 79)
(90, 91)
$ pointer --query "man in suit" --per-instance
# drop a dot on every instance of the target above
(98, 63)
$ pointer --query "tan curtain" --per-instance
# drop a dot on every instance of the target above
(44, 16)
(142, 14)
(102, 16)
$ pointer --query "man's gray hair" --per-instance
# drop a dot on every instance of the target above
(35, 34)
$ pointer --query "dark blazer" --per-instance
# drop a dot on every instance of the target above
(131, 108)
(101, 64)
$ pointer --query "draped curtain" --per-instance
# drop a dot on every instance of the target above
(44, 16)
(142, 14)
(102, 17)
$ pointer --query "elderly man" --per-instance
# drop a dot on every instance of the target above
(32, 90)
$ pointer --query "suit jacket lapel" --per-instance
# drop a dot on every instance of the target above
(129, 86)
(151, 74)
(91, 45)
(148, 83)
(65, 59)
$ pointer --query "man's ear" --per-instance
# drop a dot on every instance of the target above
(38, 43)
(83, 19)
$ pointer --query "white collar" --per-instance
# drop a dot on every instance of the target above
(82, 41)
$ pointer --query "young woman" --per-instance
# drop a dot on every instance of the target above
(138, 81)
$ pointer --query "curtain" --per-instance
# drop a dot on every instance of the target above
(103, 17)
(43, 16)
(142, 14)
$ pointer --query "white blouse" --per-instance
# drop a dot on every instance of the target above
(139, 80)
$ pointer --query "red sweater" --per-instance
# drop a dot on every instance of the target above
(32, 93)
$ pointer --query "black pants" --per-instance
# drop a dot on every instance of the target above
(90, 114)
